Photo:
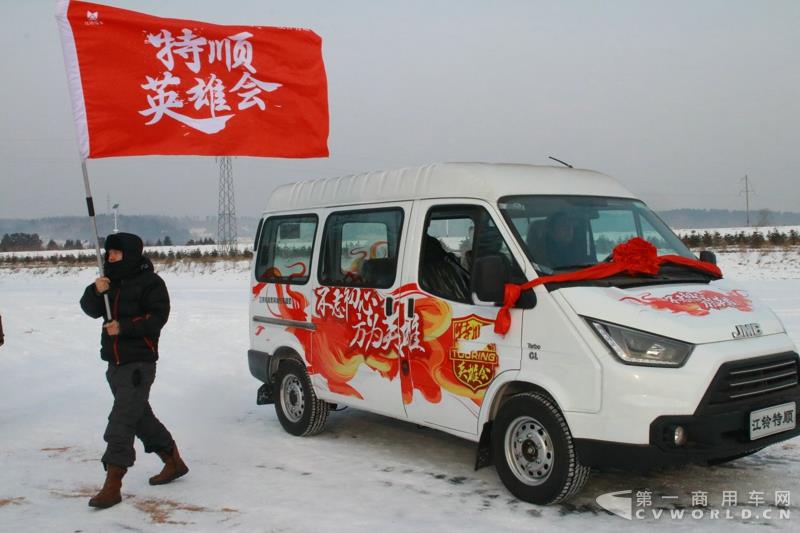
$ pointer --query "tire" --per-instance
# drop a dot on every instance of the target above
(533, 451)
(299, 410)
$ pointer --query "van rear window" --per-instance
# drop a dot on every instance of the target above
(286, 249)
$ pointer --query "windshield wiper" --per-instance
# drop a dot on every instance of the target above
(668, 273)
(627, 281)
(671, 269)
(570, 267)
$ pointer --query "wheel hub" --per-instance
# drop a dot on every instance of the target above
(293, 400)
(529, 450)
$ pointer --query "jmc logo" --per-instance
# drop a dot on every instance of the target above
(744, 331)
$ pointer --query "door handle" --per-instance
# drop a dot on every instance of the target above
(389, 309)
(410, 308)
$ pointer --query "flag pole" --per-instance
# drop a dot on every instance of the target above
(90, 207)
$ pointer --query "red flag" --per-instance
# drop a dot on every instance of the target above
(144, 85)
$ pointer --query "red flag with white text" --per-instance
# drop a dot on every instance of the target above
(145, 85)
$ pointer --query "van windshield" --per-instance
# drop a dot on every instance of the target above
(561, 233)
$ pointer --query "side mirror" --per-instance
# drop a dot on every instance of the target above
(489, 277)
(707, 256)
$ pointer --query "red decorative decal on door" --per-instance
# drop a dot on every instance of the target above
(475, 369)
(352, 328)
(469, 327)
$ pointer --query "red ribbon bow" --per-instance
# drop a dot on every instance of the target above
(637, 256)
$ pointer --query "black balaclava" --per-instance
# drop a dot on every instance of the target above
(132, 262)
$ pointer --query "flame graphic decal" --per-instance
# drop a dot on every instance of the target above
(695, 303)
(352, 329)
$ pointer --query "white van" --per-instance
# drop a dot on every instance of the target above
(380, 291)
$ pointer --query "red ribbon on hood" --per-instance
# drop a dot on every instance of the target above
(637, 256)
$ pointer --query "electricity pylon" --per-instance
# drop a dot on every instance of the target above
(226, 214)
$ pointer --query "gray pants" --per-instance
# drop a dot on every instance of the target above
(131, 415)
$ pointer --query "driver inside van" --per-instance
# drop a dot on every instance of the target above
(561, 246)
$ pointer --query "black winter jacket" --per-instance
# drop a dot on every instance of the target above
(140, 303)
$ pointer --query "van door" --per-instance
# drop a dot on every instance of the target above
(458, 353)
(358, 342)
(280, 284)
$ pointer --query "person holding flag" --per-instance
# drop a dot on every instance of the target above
(129, 343)
(187, 88)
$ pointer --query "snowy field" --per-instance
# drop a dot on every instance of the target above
(364, 473)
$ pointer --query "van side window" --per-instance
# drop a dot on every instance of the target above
(285, 249)
(454, 236)
(360, 248)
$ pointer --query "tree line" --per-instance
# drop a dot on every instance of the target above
(32, 242)
(756, 239)
(167, 258)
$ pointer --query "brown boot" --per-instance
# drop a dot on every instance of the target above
(109, 495)
(174, 467)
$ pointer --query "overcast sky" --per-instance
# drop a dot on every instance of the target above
(677, 99)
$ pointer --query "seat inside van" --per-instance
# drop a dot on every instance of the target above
(378, 272)
(441, 272)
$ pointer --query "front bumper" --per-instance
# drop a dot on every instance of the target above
(713, 438)
(719, 429)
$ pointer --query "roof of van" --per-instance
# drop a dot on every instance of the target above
(487, 181)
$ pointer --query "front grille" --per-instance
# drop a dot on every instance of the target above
(753, 378)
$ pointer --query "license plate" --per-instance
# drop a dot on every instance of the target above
(773, 420)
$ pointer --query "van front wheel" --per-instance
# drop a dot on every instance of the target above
(299, 410)
(533, 451)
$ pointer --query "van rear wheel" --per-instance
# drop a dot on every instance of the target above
(533, 451)
(299, 410)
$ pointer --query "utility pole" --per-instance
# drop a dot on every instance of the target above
(116, 212)
(747, 190)
(226, 217)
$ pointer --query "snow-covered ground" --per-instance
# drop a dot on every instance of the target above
(760, 264)
(364, 473)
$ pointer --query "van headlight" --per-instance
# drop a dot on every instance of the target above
(634, 347)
